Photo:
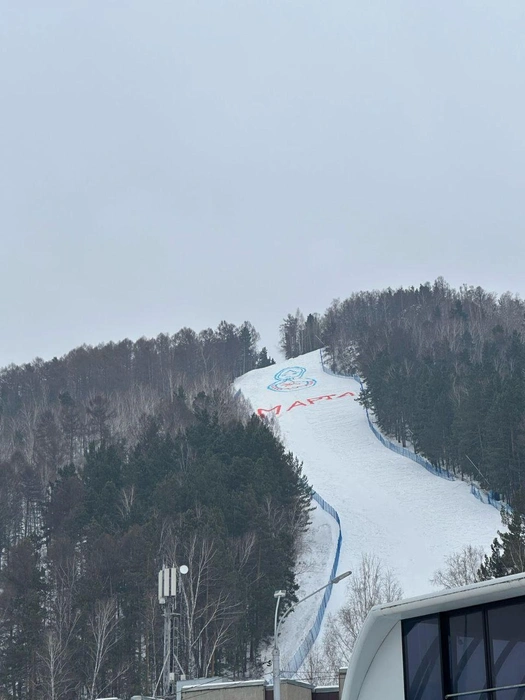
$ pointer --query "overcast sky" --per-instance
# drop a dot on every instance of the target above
(169, 163)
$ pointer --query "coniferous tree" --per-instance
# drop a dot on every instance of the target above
(263, 359)
(507, 550)
(21, 621)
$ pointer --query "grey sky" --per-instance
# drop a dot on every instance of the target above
(173, 163)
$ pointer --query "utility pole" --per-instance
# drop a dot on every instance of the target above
(276, 654)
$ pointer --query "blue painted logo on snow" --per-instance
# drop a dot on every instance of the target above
(291, 379)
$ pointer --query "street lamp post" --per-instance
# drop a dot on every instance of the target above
(276, 654)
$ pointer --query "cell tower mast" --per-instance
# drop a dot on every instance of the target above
(168, 590)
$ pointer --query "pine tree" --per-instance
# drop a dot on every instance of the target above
(263, 359)
(22, 619)
(507, 550)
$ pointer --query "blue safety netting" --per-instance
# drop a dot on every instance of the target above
(488, 497)
(297, 660)
(433, 468)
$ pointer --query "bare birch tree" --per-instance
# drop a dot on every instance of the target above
(208, 610)
(370, 585)
(461, 568)
(317, 669)
(103, 627)
(56, 672)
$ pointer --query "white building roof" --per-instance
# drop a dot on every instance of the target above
(227, 684)
(382, 619)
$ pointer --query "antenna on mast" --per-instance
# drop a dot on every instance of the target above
(167, 594)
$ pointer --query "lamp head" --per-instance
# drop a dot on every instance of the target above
(279, 594)
(340, 577)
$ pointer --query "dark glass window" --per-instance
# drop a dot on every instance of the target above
(506, 626)
(422, 653)
(466, 653)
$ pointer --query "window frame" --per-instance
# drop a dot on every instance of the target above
(404, 635)
(443, 621)
(518, 600)
(445, 649)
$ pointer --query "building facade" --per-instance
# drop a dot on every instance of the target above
(465, 643)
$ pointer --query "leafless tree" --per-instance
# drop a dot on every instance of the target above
(242, 548)
(57, 677)
(151, 617)
(26, 423)
(57, 680)
(461, 568)
(130, 409)
(126, 500)
(370, 585)
(317, 669)
(208, 609)
(103, 626)
(48, 450)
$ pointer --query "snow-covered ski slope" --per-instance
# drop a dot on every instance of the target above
(389, 506)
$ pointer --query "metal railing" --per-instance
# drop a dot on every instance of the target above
(484, 690)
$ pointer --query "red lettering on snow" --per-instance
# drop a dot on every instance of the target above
(328, 397)
(276, 410)
(262, 411)
(296, 403)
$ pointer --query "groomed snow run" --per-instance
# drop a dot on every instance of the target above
(389, 506)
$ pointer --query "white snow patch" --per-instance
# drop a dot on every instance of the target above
(389, 506)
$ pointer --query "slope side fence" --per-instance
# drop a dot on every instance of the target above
(434, 469)
(306, 645)
(302, 652)
(488, 497)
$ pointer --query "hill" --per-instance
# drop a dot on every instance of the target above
(388, 505)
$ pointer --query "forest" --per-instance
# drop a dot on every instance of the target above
(444, 373)
(115, 461)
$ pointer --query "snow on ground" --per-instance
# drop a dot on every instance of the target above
(389, 506)
(313, 568)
